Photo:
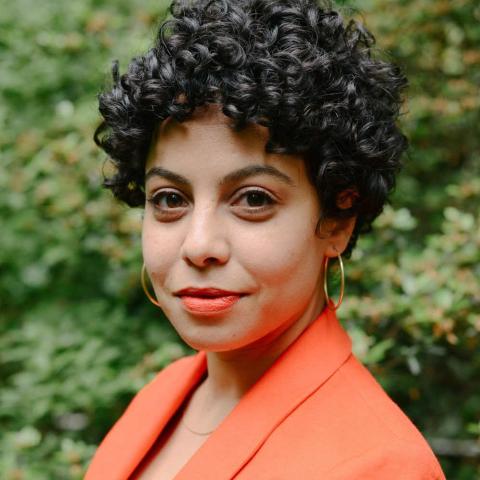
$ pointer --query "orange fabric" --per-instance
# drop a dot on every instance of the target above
(317, 413)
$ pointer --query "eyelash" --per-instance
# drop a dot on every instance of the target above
(154, 200)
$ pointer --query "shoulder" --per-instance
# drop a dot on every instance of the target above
(358, 402)
(168, 377)
(350, 428)
(150, 409)
(395, 460)
(367, 396)
(169, 372)
(396, 447)
(395, 444)
(159, 397)
(162, 390)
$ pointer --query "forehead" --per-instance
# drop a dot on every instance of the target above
(207, 139)
(209, 126)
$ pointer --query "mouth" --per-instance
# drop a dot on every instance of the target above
(208, 301)
(208, 292)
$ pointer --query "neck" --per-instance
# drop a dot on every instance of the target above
(231, 374)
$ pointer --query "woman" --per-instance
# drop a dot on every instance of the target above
(260, 136)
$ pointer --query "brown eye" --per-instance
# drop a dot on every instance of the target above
(173, 200)
(167, 200)
(255, 201)
(256, 198)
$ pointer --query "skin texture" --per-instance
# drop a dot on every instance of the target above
(211, 235)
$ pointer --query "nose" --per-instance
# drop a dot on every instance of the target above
(205, 241)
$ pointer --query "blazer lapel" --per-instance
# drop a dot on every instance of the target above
(301, 369)
(146, 416)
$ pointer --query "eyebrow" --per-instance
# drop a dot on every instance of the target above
(232, 177)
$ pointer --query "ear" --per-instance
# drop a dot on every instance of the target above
(339, 236)
(339, 231)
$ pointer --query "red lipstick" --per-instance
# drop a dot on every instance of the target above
(207, 300)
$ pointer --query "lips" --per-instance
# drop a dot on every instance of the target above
(208, 300)
(208, 292)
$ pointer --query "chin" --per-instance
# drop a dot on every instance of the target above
(205, 341)
(207, 345)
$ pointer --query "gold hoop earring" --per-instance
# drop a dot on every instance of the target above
(342, 285)
(145, 289)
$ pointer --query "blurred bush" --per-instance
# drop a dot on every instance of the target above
(78, 338)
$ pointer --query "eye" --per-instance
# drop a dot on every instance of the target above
(167, 202)
(256, 201)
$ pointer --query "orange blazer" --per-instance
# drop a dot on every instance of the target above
(316, 413)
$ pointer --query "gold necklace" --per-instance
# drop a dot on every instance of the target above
(193, 431)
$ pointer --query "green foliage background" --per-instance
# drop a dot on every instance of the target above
(78, 338)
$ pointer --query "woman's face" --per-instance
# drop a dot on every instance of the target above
(222, 213)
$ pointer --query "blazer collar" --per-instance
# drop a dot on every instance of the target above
(148, 413)
(300, 370)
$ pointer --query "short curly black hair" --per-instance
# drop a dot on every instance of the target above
(294, 66)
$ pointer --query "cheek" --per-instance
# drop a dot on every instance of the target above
(289, 259)
(159, 250)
